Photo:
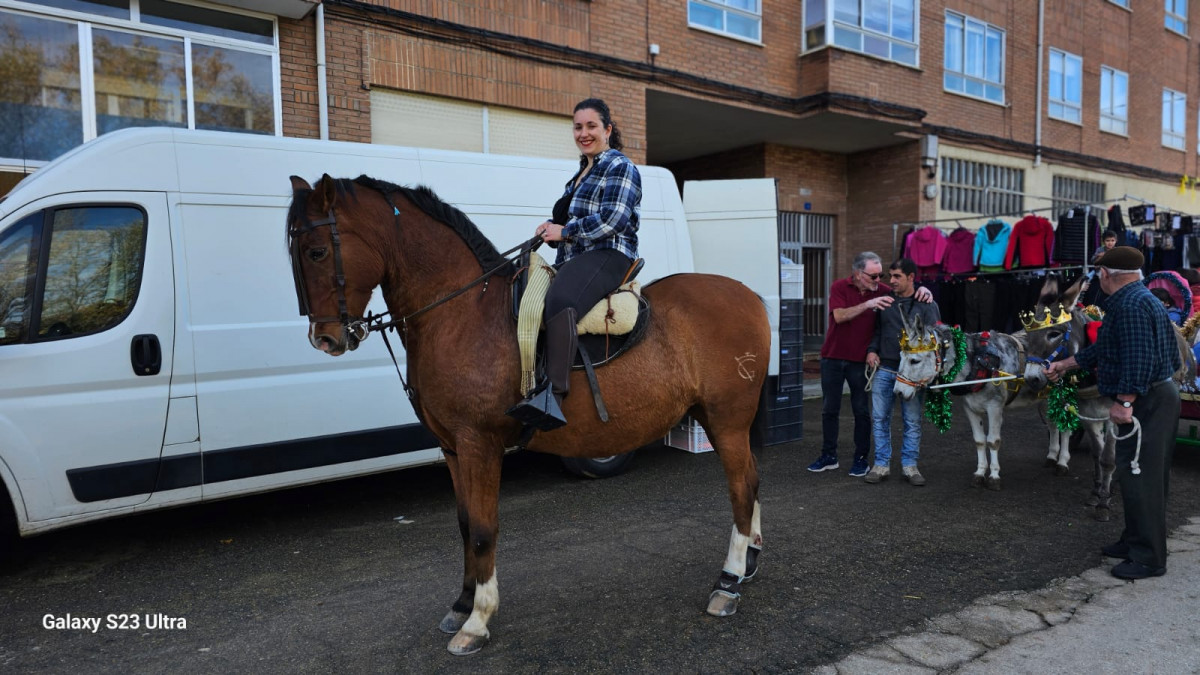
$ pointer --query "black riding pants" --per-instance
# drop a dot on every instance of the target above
(584, 280)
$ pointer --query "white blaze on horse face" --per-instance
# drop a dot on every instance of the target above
(735, 562)
(487, 601)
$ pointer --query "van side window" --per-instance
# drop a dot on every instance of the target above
(93, 269)
(18, 264)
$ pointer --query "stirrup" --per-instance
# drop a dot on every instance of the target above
(541, 410)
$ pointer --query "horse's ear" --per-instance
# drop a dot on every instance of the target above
(1050, 290)
(326, 191)
(299, 183)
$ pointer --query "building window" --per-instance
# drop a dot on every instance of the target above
(66, 81)
(883, 28)
(975, 187)
(1066, 86)
(1114, 101)
(1070, 192)
(737, 18)
(974, 54)
(1176, 16)
(1174, 116)
(1122, 3)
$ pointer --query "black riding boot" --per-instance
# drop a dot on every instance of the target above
(561, 343)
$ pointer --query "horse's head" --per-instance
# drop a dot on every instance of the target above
(921, 354)
(334, 267)
(1053, 330)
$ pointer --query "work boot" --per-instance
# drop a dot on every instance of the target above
(914, 477)
(878, 473)
(562, 342)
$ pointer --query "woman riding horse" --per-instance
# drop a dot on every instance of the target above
(594, 228)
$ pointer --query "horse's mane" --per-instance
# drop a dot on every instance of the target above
(429, 203)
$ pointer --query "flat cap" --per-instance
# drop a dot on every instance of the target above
(1122, 258)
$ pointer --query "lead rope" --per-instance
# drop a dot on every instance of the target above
(1111, 429)
(871, 370)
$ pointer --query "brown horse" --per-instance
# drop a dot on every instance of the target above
(704, 353)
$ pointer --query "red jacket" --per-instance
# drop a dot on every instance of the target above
(1030, 243)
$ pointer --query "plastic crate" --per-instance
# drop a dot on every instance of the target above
(688, 435)
(791, 281)
(790, 315)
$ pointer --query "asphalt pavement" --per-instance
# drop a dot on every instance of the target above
(612, 575)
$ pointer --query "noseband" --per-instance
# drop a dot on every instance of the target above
(354, 327)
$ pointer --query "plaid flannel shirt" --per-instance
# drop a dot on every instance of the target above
(1136, 345)
(605, 210)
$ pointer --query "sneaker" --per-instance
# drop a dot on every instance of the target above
(859, 468)
(914, 477)
(1132, 571)
(824, 463)
(878, 473)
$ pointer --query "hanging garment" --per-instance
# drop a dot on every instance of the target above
(1142, 214)
(927, 247)
(960, 251)
(1077, 236)
(1030, 244)
(904, 239)
(979, 305)
(1186, 224)
(1116, 223)
(991, 245)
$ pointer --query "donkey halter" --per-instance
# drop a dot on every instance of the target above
(1048, 320)
(918, 346)
(355, 327)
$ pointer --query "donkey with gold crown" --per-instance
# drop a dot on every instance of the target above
(1056, 329)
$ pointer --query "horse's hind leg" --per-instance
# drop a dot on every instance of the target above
(745, 542)
(980, 437)
(1106, 463)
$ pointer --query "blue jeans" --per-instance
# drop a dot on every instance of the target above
(883, 394)
(833, 373)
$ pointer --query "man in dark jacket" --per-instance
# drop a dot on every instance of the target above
(884, 353)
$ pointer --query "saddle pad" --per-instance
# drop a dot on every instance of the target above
(615, 314)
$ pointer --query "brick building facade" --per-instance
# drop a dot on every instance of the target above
(836, 99)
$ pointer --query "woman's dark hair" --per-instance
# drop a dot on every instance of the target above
(1189, 275)
(601, 108)
(1162, 294)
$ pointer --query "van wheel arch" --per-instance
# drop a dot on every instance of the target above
(10, 539)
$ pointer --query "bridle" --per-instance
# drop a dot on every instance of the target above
(1063, 346)
(356, 327)
(939, 358)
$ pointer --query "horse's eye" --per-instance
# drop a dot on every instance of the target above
(317, 254)
(1054, 334)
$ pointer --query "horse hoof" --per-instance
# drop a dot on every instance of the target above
(1092, 502)
(465, 643)
(1060, 470)
(721, 603)
(452, 622)
(1049, 463)
(992, 484)
(976, 481)
(1102, 514)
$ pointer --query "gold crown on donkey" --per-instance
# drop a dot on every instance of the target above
(1056, 318)
(918, 345)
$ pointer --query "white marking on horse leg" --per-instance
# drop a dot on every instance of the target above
(756, 525)
(1055, 450)
(735, 561)
(994, 455)
(487, 601)
(1064, 448)
(980, 459)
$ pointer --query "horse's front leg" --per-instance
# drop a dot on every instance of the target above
(461, 609)
(1060, 445)
(477, 488)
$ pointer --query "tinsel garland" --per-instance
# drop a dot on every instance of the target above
(937, 401)
(1063, 403)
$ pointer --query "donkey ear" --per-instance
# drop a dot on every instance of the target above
(1070, 295)
(918, 325)
(1050, 290)
(299, 183)
(326, 191)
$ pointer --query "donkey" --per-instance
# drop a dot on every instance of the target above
(1057, 329)
(929, 352)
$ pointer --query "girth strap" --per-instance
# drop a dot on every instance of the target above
(594, 384)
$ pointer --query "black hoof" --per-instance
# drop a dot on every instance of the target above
(1049, 463)
(1102, 514)
(992, 484)
(752, 553)
(1060, 470)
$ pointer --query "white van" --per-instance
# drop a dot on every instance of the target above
(150, 350)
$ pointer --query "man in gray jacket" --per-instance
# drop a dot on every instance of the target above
(884, 353)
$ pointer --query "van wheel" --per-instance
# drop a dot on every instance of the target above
(11, 548)
(599, 467)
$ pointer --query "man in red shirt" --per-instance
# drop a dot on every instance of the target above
(853, 303)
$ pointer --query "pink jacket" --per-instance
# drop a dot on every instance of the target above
(927, 247)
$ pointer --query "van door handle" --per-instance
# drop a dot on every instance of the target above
(146, 355)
